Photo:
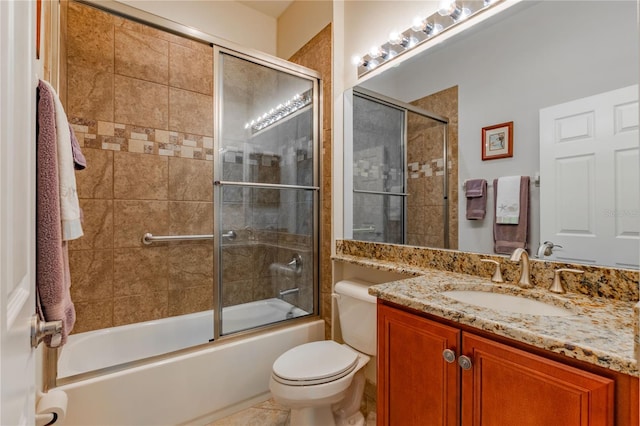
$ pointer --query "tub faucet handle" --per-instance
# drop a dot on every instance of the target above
(497, 274)
(557, 287)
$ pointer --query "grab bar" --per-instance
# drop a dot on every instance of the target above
(367, 229)
(149, 238)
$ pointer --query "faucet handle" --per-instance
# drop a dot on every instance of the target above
(557, 287)
(497, 274)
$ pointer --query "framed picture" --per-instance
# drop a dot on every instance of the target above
(497, 141)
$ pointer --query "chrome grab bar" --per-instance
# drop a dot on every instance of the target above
(149, 238)
(367, 229)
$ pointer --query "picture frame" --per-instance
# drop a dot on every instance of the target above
(497, 141)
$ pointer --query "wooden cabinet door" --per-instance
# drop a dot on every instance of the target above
(507, 386)
(416, 386)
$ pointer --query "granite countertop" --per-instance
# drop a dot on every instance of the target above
(599, 331)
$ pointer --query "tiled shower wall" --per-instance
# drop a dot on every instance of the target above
(141, 103)
(426, 171)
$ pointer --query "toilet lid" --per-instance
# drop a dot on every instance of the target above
(316, 362)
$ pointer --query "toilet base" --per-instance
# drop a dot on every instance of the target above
(321, 415)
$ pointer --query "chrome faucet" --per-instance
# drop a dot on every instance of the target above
(521, 255)
(546, 249)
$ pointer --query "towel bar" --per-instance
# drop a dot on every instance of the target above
(534, 180)
(149, 238)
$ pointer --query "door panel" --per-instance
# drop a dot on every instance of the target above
(17, 212)
(266, 193)
(415, 384)
(590, 190)
(507, 386)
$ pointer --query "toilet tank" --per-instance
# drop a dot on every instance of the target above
(357, 313)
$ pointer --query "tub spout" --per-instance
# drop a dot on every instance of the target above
(283, 293)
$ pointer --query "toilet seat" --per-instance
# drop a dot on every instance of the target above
(314, 363)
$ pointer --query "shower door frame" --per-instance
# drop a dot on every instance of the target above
(50, 356)
(406, 107)
(218, 90)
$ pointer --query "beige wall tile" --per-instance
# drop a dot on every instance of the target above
(129, 25)
(89, 37)
(141, 56)
(140, 176)
(93, 315)
(135, 218)
(91, 274)
(141, 103)
(147, 307)
(90, 93)
(96, 181)
(236, 292)
(237, 263)
(190, 218)
(190, 180)
(190, 300)
(97, 225)
(190, 112)
(191, 69)
(190, 266)
(140, 271)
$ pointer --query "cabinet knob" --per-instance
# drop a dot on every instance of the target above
(449, 355)
(464, 362)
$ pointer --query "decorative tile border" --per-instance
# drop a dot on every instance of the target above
(144, 140)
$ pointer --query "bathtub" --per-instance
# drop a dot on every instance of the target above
(109, 347)
(195, 387)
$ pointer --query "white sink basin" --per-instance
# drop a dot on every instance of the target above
(507, 303)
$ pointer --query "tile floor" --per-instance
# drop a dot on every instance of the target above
(267, 413)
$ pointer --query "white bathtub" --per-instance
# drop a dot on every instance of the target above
(195, 387)
(99, 349)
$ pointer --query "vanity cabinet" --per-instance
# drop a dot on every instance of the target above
(503, 385)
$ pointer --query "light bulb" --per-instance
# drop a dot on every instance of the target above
(418, 24)
(447, 7)
(450, 8)
(375, 52)
(356, 60)
(395, 38)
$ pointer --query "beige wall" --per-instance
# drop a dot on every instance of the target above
(228, 20)
(300, 23)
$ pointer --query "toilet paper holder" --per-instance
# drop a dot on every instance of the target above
(51, 407)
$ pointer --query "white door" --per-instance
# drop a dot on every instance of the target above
(17, 212)
(590, 183)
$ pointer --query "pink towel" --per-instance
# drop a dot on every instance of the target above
(508, 237)
(79, 162)
(476, 193)
(53, 280)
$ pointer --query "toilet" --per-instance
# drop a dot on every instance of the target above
(323, 382)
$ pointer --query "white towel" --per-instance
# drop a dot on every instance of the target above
(508, 200)
(69, 204)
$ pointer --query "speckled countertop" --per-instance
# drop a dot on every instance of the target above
(599, 331)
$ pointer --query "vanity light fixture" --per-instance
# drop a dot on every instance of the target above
(449, 14)
(280, 112)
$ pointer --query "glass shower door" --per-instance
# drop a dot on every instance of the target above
(266, 194)
(379, 198)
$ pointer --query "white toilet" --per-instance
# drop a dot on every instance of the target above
(323, 382)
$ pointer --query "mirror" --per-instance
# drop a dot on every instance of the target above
(507, 68)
